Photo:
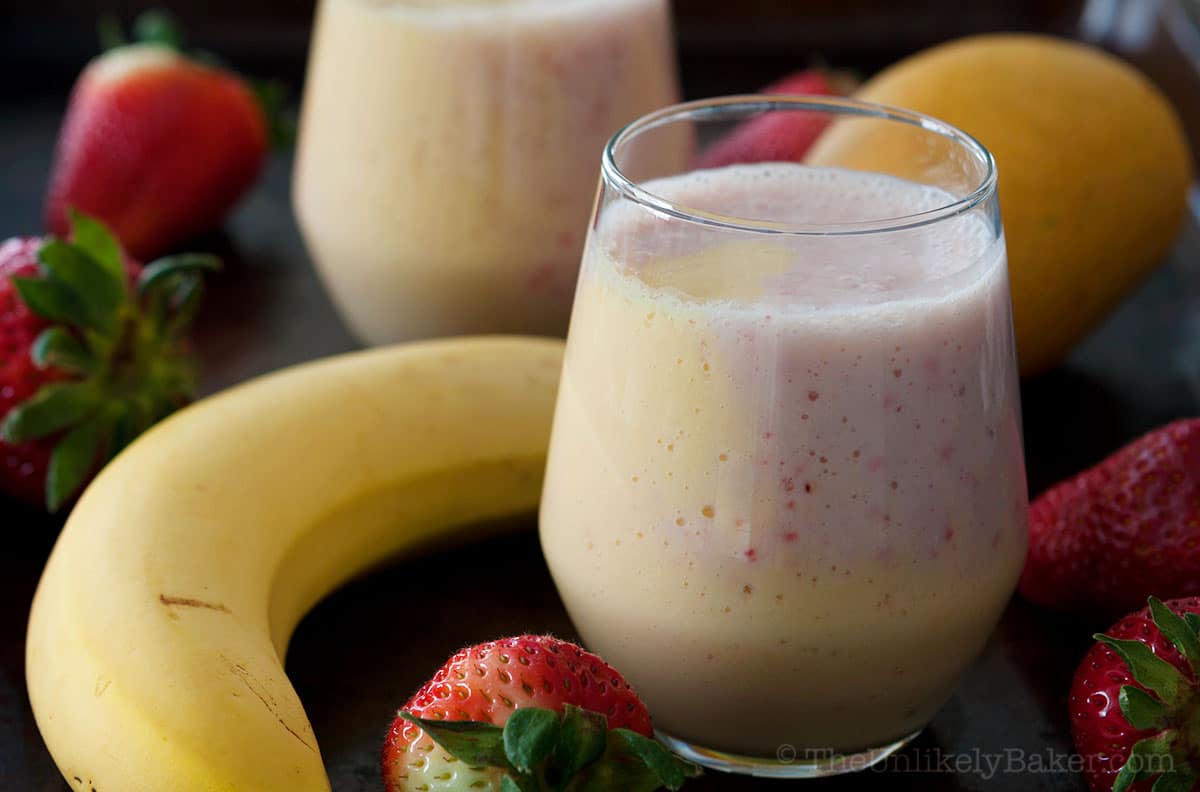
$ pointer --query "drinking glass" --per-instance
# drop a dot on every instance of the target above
(786, 491)
(446, 162)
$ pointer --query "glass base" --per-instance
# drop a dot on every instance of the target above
(788, 762)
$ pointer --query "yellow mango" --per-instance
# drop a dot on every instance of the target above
(1092, 163)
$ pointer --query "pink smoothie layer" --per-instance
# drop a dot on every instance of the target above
(786, 493)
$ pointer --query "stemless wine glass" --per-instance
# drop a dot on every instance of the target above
(446, 162)
(786, 491)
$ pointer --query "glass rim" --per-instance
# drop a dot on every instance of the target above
(759, 103)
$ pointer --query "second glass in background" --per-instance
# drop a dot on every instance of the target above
(447, 156)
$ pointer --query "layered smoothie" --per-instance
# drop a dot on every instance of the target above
(448, 153)
(786, 492)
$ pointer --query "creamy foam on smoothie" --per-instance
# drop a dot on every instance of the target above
(790, 463)
(798, 275)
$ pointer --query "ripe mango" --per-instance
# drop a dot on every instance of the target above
(1092, 163)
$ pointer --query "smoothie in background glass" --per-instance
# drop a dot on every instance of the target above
(785, 493)
(447, 157)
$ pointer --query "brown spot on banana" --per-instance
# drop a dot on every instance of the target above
(188, 602)
(254, 686)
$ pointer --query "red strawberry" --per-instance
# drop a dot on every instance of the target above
(91, 354)
(779, 136)
(158, 146)
(1101, 541)
(533, 712)
(22, 467)
(1135, 705)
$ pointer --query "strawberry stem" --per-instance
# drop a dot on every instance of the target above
(152, 26)
(529, 736)
(57, 347)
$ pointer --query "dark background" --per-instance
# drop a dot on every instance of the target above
(725, 46)
(350, 661)
(55, 37)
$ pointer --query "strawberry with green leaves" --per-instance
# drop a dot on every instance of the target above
(1135, 702)
(92, 353)
(527, 714)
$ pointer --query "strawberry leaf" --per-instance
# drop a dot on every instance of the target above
(160, 270)
(157, 26)
(1156, 674)
(670, 769)
(53, 408)
(51, 300)
(541, 751)
(1175, 781)
(171, 290)
(530, 734)
(70, 462)
(97, 241)
(1142, 710)
(96, 289)
(622, 767)
(1177, 631)
(57, 347)
(477, 744)
(519, 783)
(184, 303)
(1193, 621)
(1147, 757)
(129, 420)
(582, 738)
(272, 97)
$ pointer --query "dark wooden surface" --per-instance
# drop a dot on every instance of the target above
(355, 658)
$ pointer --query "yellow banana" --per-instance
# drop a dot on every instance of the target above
(154, 655)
